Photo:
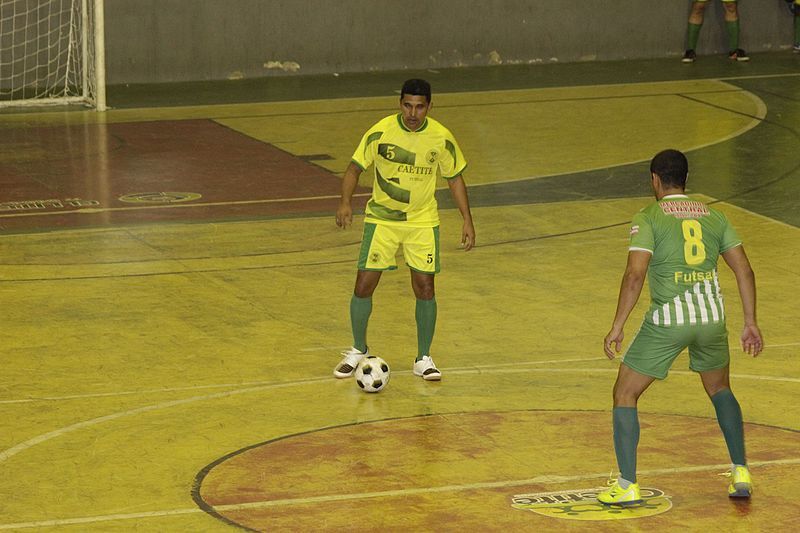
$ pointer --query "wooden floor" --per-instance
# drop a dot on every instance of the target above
(175, 296)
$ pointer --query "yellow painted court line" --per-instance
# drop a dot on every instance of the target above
(762, 217)
(92, 210)
(538, 480)
(761, 114)
(760, 76)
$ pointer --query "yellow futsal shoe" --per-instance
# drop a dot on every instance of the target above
(616, 495)
(741, 485)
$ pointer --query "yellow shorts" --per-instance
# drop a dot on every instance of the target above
(380, 243)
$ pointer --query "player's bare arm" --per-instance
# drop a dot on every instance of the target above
(736, 258)
(458, 190)
(629, 291)
(344, 213)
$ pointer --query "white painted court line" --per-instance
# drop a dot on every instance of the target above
(10, 452)
(247, 384)
(486, 369)
(782, 345)
(538, 480)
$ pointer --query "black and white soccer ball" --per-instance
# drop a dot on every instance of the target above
(372, 374)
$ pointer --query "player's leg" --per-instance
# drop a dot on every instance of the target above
(628, 388)
(378, 246)
(425, 315)
(421, 252)
(709, 355)
(693, 29)
(796, 11)
(732, 28)
(361, 306)
(649, 357)
(729, 415)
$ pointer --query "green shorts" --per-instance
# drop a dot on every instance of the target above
(654, 348)
(381, 241)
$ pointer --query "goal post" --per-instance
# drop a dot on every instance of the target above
(52, 52)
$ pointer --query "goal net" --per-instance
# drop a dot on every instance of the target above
(52, 52)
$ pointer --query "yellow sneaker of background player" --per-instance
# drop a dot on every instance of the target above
(741, 485)
(616, 495)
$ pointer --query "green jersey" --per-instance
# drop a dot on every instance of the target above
(406, 165)
(685, 238)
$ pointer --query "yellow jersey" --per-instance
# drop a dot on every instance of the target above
(406, 165)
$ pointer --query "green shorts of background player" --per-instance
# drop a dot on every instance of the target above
(408, 152)
(676, 242)
(696, 18)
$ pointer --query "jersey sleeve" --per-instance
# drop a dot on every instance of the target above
(452, 162)
(730, 239)
(365, 154)
(641, 234)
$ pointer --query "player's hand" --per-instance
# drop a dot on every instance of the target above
(752, 342)
(468, 235)
(344, 215)
(614, 337)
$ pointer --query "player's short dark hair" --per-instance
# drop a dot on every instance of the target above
(416, 87)
(672, 167)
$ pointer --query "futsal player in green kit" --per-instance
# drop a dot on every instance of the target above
(731, 27)
(676, 242)
(408, 151)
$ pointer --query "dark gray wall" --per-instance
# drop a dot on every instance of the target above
(183, 40)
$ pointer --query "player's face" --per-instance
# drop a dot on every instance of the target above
(415, 109)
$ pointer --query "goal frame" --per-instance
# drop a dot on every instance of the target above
(92, 50)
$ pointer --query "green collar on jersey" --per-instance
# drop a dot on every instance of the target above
(405, 128)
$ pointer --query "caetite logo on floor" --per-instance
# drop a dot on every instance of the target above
(159, 197)
(582, 504)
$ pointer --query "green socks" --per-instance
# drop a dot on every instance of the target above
(733, 34)
(360, 309)
(426, 324)
(626, 439)
(626, 432)
(693, 33)
(729, 416)
(732, 27)
(796, 29)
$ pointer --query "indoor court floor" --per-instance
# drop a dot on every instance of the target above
(175, 296)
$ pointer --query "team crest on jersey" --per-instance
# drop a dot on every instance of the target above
(375, 257)
(432, 156)
(582, 504)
